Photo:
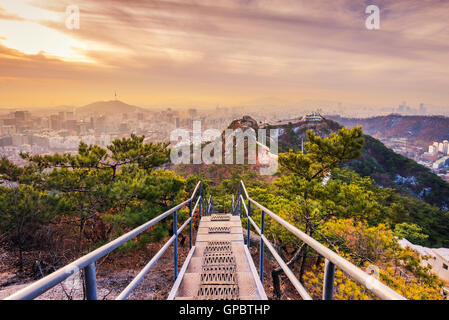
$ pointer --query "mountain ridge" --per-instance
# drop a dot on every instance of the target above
(383, 165)
(424, 130)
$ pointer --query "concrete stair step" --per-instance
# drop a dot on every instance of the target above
(196, 263)
(207, 224)
(236, 249)
(204, 237)
(191, 284)
(233, 229)
(232, 218)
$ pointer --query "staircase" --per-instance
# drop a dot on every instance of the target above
(219, 266)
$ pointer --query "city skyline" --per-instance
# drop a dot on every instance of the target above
(223, 52)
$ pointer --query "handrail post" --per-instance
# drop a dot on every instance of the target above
(191, 218)
(90, 282)
(201, 200)
(249, 214)
(175, 243)
(240, 205)
(240, 200)
(203, 203)
(328, 285)
(204, 199)
(236, 204)
(262, 244)
(209, 205)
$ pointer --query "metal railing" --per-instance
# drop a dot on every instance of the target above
(87, 262)
(332, 259)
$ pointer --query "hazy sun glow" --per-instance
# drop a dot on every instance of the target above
(32, 38)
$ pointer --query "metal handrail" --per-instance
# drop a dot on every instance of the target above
(87, 262)
(298, 286)
(332, 259)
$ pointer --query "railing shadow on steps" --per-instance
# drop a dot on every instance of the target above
(239, 207)
(87, 262)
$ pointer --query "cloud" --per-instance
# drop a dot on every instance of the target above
(214, 27)
(4, 15)
(258, 44)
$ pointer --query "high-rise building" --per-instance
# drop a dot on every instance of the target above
(440, 147)
(192, 113)
(7, 130)
(55, 123)
(422, 109)
(433, 150)
(70, 115)
(446, 147)
(22, 115)
(62, 116)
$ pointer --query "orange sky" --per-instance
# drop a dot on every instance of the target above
(210, 52)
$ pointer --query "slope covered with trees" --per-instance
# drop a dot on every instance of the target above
(349, 213)
(65, 204)
(390, 169)
(423, 130)
(382, 164)
(62, 203)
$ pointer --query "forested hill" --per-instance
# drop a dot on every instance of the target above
(422, 129)
(390, 169)
(386, 167)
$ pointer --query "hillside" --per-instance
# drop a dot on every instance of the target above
(386, 167)
(399, 190)
(390, 169)
(422, 129)
(109, 107)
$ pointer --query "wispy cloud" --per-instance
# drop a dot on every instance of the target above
(287, 47)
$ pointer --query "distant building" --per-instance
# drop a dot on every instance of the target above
(70, 115)
(432, 150)
(140, 116)
(123, 127)
(430, 156)
(7, 130)
(55, 123)
(22, 115)
(422, 109)
(5, 141)
(440, 147)
(313, 117)
(441, 163)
